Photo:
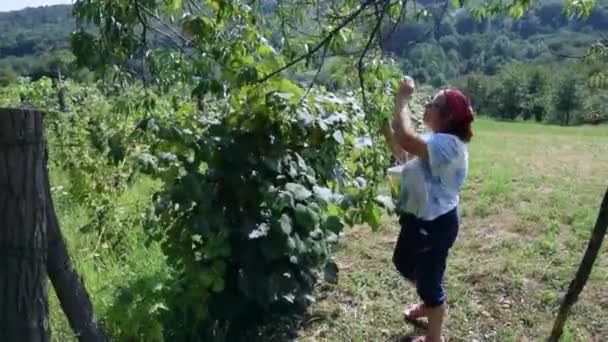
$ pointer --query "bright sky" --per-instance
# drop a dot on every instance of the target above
(11, 5)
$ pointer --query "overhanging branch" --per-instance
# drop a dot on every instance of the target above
(368, 45)
(321, 44)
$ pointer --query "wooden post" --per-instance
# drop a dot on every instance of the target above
(579, 281)
(31, 243)
(23, 228)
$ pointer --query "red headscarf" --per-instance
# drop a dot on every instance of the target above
(459, 106)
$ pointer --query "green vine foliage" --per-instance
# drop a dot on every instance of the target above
(93, 143)
(253, 203)
(258, 174)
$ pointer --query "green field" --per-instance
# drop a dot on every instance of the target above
(528, 209)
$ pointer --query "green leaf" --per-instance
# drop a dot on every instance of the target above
(373, 216)
(266, 51)
(261, 231)
(306, 217)
(338, 137)
(334, 224)
(291, 244)
(516, 11)
(218, 285)
(157, 307)
(284, 199)
(322, 193)
(386, 201)
(173, 5)
(286, 86)
(206, 278)
(299, 192)
(286, 224)
(219, 267)
(395, 11)
(148, 164)
(290, 298)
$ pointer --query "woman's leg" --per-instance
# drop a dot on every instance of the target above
(404, 255)
(441, 236)
(432, 292)
(436, 316)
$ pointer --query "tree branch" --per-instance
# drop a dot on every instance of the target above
(433, 29)
(314, 79)
(396, 24)
(144, 46)
(370, 41)
(195, 5)
(317, 47)
(162, 22)
(282, 18)
(584, 270)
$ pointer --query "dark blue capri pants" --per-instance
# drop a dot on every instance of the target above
(421, 253)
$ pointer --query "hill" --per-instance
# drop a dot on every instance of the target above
(36, 41)
(461, 45)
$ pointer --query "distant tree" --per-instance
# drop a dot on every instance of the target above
(551, 14)
(529, 26)
(536, 104)
(449, 42)
(477, 89)
(503, 47)
(493, 64)
(446, 29)
(465, 25)
(438, 80)
(598, 19)
(7, 76)
(468, 47)
(566, 99)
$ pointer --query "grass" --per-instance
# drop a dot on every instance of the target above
(528, 208)
(104, 270)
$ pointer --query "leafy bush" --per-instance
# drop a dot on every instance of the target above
(253, 203)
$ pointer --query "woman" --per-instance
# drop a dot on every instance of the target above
(429, 196)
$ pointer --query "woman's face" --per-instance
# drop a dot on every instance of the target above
(432, 115)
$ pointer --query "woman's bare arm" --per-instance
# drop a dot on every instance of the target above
(399, 153)
(405, 135)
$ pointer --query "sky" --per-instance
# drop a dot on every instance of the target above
(11, 5)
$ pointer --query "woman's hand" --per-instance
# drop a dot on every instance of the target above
(406, 89)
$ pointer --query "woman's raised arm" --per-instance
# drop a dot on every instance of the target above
(404, 132)
(399, 153)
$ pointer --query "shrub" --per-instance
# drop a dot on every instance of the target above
(252, 206)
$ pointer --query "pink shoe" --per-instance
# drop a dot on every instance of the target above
(424, 339)
(415, 312)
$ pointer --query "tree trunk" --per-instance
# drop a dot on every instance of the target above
(579, 281)
(72, 295)
(23, 228)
